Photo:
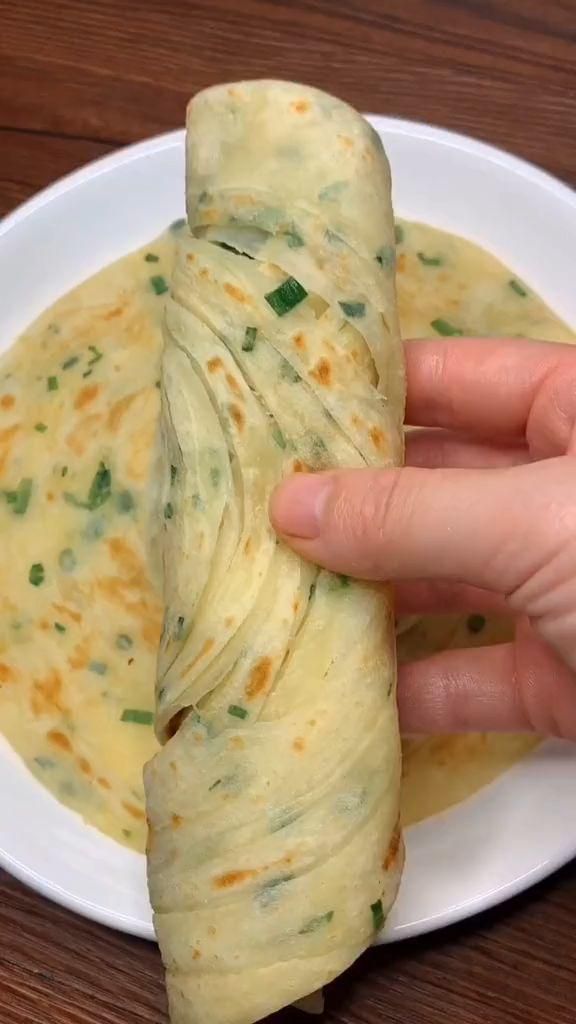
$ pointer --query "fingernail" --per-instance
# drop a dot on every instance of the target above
(297, 505)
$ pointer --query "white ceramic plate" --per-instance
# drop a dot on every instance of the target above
(516, 830)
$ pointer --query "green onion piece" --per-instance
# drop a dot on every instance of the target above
(333, 191)
(312, 590)
(288, 295)
(215, 474)
(158, 284)
(19, 499)
(68, 363)
(215, 785)
(386, 256)
(87, 373)
(36, 574)
(168, 510)
(398, 234)
(430, 261)
(338, 581)
(97, 355)
(354, 310)
(230, 248)
(52, 383)
(176, 225)
(157, 384)
(197, 502)
(67, 560)
(204, 197)
(173, 474)
(377, 912)
(100, 668)
(126, 833)
(59, 627)
(99, 493)
(124, 642)
(44, 762)
(287, 372)
(316, 922)
(179, 627)
(64, 471)
(249, 339)
(278, 437)
(293, 239)
(518, 288)
(476, 623)
(237, 712)
(40, 427)
(137, 716)
(445, 328)
(151, 257)
(125, 501)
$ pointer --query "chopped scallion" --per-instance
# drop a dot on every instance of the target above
(52, 383)
(125, 501)
(97, 355)
(288, 295)
(68, 363)
(40, 427)
(237, 711)
(445, 328)
(398, 234)
(137, 716)
(249, 339)
(377, 912)
(151, 257)
(353, 310)
(168, 510)
(278, 437)
(386, 256)
(20, 498)
(67, 560)
(99, 668)
(124, 642)
(476, 623)
(36, 574)
(430, 261)
(518, 288)
(316, 922)
(59, 627)
(158, 284)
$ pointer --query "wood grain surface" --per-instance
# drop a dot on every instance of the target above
(81, 77)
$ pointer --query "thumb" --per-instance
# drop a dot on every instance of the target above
(489, 528)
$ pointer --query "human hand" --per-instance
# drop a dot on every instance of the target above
(483, 518)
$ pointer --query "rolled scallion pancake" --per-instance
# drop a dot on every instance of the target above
(274, 852)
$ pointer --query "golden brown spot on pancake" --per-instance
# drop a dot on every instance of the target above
(84, 766)
(67, 612)
(58, 739)
(229, 621)
(134, 811)
(391, 854)
(6, 437)
(80, 655)
(196, 954)
(190, 257)
(86, 395)
(7, 401)
(204, 274)
(204, 650)
(300, 341)
(356, 355)
(237, 743)
(232, 878)
(47, 694)
(377, 438)
(401, 263)
(237, 416)
(235, 293)
(248, 546)
(49, 496)
(299, 744)
(119, 409)
(44, 624)
(346, 141)
(259, 677)
(125, 557)
(7, 674)
(176, 820)
(296, 606)
(214, 364)
(301, 106)
(233, 385)
(83, 433)
(151, 632)
(356, 421)
(114, 313)
(322, 372)
(301, 467)
(103, 783)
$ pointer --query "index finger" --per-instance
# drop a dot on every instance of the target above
(490, 387)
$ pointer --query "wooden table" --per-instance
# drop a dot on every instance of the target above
(81, 77)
